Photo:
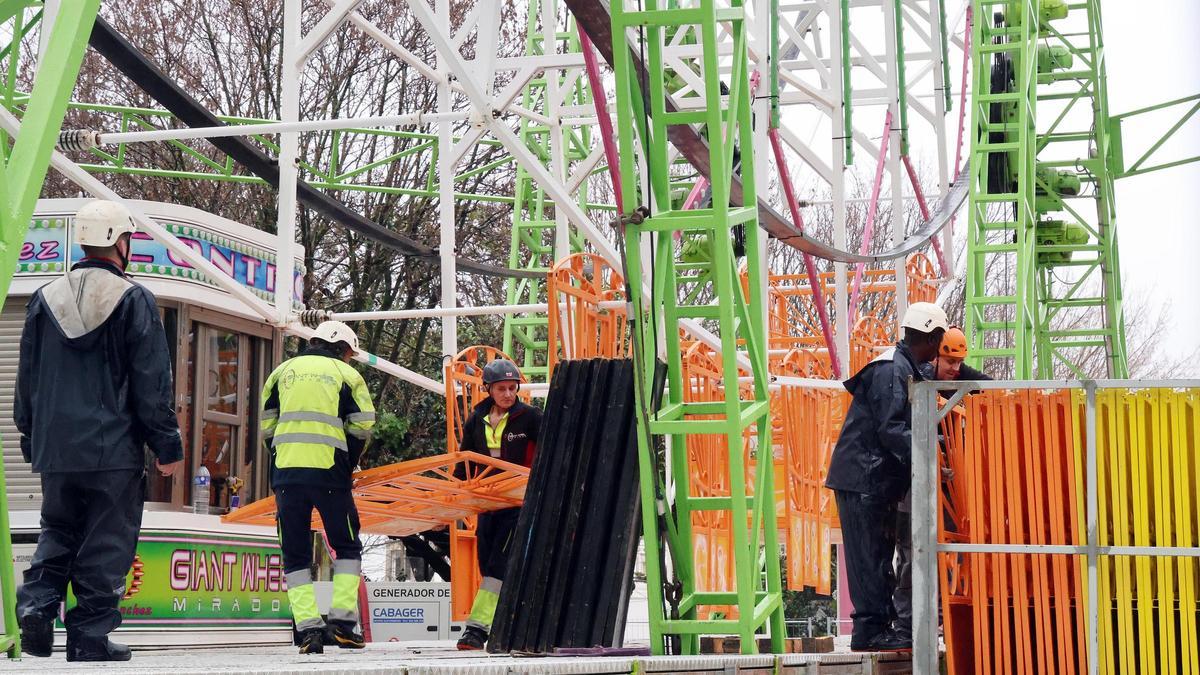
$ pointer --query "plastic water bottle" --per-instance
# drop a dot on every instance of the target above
(200, 484)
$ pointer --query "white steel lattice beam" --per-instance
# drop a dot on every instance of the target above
(336, 17)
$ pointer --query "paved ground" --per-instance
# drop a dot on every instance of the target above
(414, 658)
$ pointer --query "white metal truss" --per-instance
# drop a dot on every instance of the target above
(811, 99)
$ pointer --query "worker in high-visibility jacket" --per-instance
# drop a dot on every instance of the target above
(317, 416)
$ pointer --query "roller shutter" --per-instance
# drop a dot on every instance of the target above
(24, 488)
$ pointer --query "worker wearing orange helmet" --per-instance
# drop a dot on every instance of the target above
(948, 364)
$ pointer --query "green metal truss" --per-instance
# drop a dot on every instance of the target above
(534, 222)
(737, 320)
(22, 172)
(327, 171)
(1041, 209)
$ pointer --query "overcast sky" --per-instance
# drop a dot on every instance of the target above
(1153, 56)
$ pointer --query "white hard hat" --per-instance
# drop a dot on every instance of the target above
(101, 223)
(336, 331)
(925, 317)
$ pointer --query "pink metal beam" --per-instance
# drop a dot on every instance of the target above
(869, 230)
(607, 136)
(916, 184)
(814, 281)
(962, 92)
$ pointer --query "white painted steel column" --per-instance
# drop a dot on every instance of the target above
(49, 14)
(940, 86)
(838, 193)
(447, 240)
(289, 157)
(895, 166)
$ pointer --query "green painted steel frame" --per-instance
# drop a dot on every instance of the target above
(21, 177)
(1001, 226)
(1137, 169)
(1096, 293)
(757, 587)
(1006, 224)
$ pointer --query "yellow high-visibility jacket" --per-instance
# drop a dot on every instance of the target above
(317, 417)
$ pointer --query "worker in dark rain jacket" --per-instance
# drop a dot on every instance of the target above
(503, 427)
(93, 388)
(870, 473)
(317, 415)
(947, 365)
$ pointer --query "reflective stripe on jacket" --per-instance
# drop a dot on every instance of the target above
(317, 415)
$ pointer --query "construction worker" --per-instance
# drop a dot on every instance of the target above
(503, 427)
(317, 416)
(870, 474)
(947, 365)
(93, 387)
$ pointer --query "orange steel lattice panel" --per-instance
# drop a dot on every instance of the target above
(420, 494)
(579, 326)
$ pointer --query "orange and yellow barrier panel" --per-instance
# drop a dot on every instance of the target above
(1016, 473)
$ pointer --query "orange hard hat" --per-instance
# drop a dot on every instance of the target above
(954, 343)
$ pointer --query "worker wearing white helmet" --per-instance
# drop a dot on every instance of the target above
(317, 416)
(94, 387)
(870, 474)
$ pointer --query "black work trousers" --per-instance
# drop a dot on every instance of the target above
(869, 535)
(90, 525)
(494, 536)
(294, 507)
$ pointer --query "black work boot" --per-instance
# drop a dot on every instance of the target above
(891, 641)
(312, 641)
(473, 639)
(37, 635)
(344, 636)
(96, 649)
(860, 640)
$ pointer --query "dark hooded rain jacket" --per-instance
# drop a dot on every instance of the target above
(94, 379)
(873, 454)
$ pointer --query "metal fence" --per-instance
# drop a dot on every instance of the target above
(1128, 453)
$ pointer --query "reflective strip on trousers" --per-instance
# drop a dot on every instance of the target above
(344, 605)
(483, 610)
(298, 578)
(319, 439)
(304, 606)
(346, 565)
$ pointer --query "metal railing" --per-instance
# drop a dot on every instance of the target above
(928, 414)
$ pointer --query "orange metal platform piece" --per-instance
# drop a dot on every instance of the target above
(419, 495)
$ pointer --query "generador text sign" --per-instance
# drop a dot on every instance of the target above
(45, 252)
(205, 580)
(409, 611)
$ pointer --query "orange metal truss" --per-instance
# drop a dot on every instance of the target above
(580, 326)
(418, 495)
